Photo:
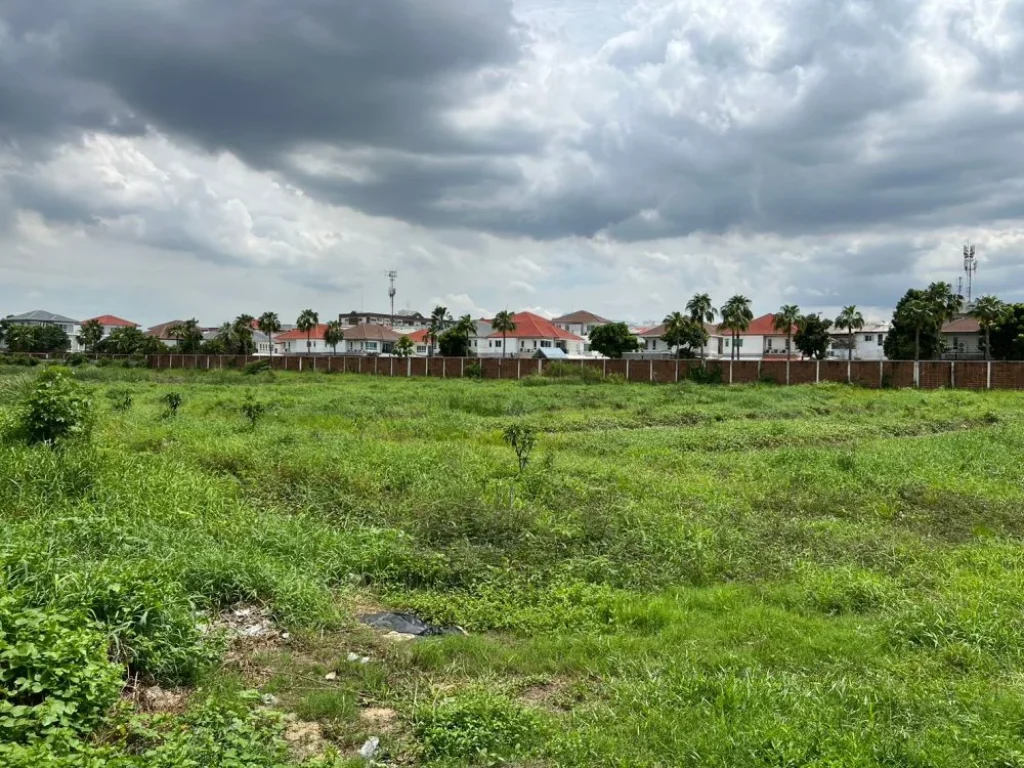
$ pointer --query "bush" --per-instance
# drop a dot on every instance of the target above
(76, 359)
(478, 727)
(256, 368)
(703, 375)
(253, 411)
(121, 399)
(173, 401)
(473, 371)
(57, 409)
(26, 360)
(54, 674)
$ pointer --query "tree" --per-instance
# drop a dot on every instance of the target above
(1008, 335)
(736, 318)
(5, 326)
(851, 320)
(504, 322)
(812, 336)
(333, 335)
(308, 320)
(21, 338)
(683, 332)
(404, 347)
(269, 324)
(785, 319)
(945, 303)
(907, 337)
(189, 336)
(242, 332)
(455, 341)
(921, 314)
(50, 338)
(613, 340)
(91, 334)
(701, 311)
(439, 320)
(131, 341)
(989, 311)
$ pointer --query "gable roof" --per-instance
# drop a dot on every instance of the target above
(108, 320)
(759, 326)
(581, 317)
(418, 337)
(317, 332)
(965, 324)
(531, 326)
(371, 332)
(160, 331)
(40, 316)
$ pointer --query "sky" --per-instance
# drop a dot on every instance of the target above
(166, 159)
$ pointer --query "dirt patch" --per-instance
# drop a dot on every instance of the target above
(378, 719)
(160, 701)
(549, 695)
(305, 740)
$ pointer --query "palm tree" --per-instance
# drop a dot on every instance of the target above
(269, 325)
(333, 335)
(701, 311)
(243, 333)
(988, 311)
(439, 319)
(784, 320)
(676, 324)
(91, 334)
(308, 320)
(946, 304)
(852, 320)
(505, 322)
(921, 314)
(736, 317)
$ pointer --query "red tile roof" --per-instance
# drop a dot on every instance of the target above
(583, 317)
(759, 326)
(531, 326)
(418, 337)
(296, 335)
(659, 330)
(113, 320)
(965, 324)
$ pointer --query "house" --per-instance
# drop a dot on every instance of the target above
(963, 337)
(39, 317)
(760, 341)
(111, 323)
(652, 344)
(532, 332)
(477, 341)
(421, 345)
(868, 343)
(162, 332)
(404, 318)
(370, 339)
(580, 322)
(296, 342)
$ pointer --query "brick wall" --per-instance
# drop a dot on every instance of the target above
(866, 373)
(833, 370)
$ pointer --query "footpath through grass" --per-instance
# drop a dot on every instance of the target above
(683, 575)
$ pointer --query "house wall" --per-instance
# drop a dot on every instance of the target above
(966, 344)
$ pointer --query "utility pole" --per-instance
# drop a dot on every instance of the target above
(392, 275)
(970, 268)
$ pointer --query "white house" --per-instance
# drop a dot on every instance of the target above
(652, 343)
(39, 317)
(532, 333)
(760, 341)
(868, 343)
(963, 337)
(296, 342)
(369, 339)
(582, 323)
(111, 323)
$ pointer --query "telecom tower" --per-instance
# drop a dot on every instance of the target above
(970, 268)
(392, 275)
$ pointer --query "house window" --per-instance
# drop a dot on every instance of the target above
(421, 349)
(654, 343)
(545, 344)
(370, 346)
(590, 329)
(534, 343)
(869, 337)
(498, 344)
(881, 339)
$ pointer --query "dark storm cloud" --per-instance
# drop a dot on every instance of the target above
(825, 121)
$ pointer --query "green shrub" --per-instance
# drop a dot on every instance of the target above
(57, 409)
(54, 674)
(173, 401)
(253, 411)
(76, 359)
(473, 371)
(703, 375)
(257, 367)
(521, 439)
(478, 727)
(581, 374)
(19, 359)
(121, 399)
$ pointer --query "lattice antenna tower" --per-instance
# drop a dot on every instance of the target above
(970, 268)
(392, 275)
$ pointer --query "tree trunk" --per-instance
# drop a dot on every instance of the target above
(850, 346)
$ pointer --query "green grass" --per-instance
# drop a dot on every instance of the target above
(690, 575)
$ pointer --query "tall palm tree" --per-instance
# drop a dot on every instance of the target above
(851, 320)
(676, 324)
(308, 320)
(505, 322)
(921, 314)
(988, 311)
(333, 335)
(785, 319)
(242, 328)
(269, 325)
(439, 320)
(736, 318)
(701, 311)
(946, 304)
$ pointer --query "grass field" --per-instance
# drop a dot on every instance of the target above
(682, 576)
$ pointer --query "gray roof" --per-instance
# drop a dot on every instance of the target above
(40, 316)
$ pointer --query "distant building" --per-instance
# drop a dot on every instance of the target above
(963, 337)
(401, 319)
(868, 343)
(162, 332)
(111, 323)
(532, 332)
(296, 342)
(370, 339)
(652, 343)
(39, 317)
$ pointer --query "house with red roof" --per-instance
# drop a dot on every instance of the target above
(296, 342)
(532, 334)
(111, 323)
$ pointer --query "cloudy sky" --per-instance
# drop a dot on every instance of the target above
(176, 158)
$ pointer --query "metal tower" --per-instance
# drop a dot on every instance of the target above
(392, 275)
(970, 267)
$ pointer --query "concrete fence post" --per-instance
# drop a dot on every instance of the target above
(817, 371)
(462, 367)
(988, 374)
(652, 371)
(917, 373)
(849, 371)
(408, 367)
(952, 375)
(444, 367)
(730, 370)
(758, 369)
(881, 373)
(519, 368)
(540, 367)
(604, 368)
(677, 370)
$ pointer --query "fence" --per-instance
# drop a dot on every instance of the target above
(930, 374)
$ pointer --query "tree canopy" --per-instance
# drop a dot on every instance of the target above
(812, 336)
(613, 340)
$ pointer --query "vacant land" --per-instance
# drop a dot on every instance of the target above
(682, 575)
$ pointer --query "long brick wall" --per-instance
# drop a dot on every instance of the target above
(928, 374)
